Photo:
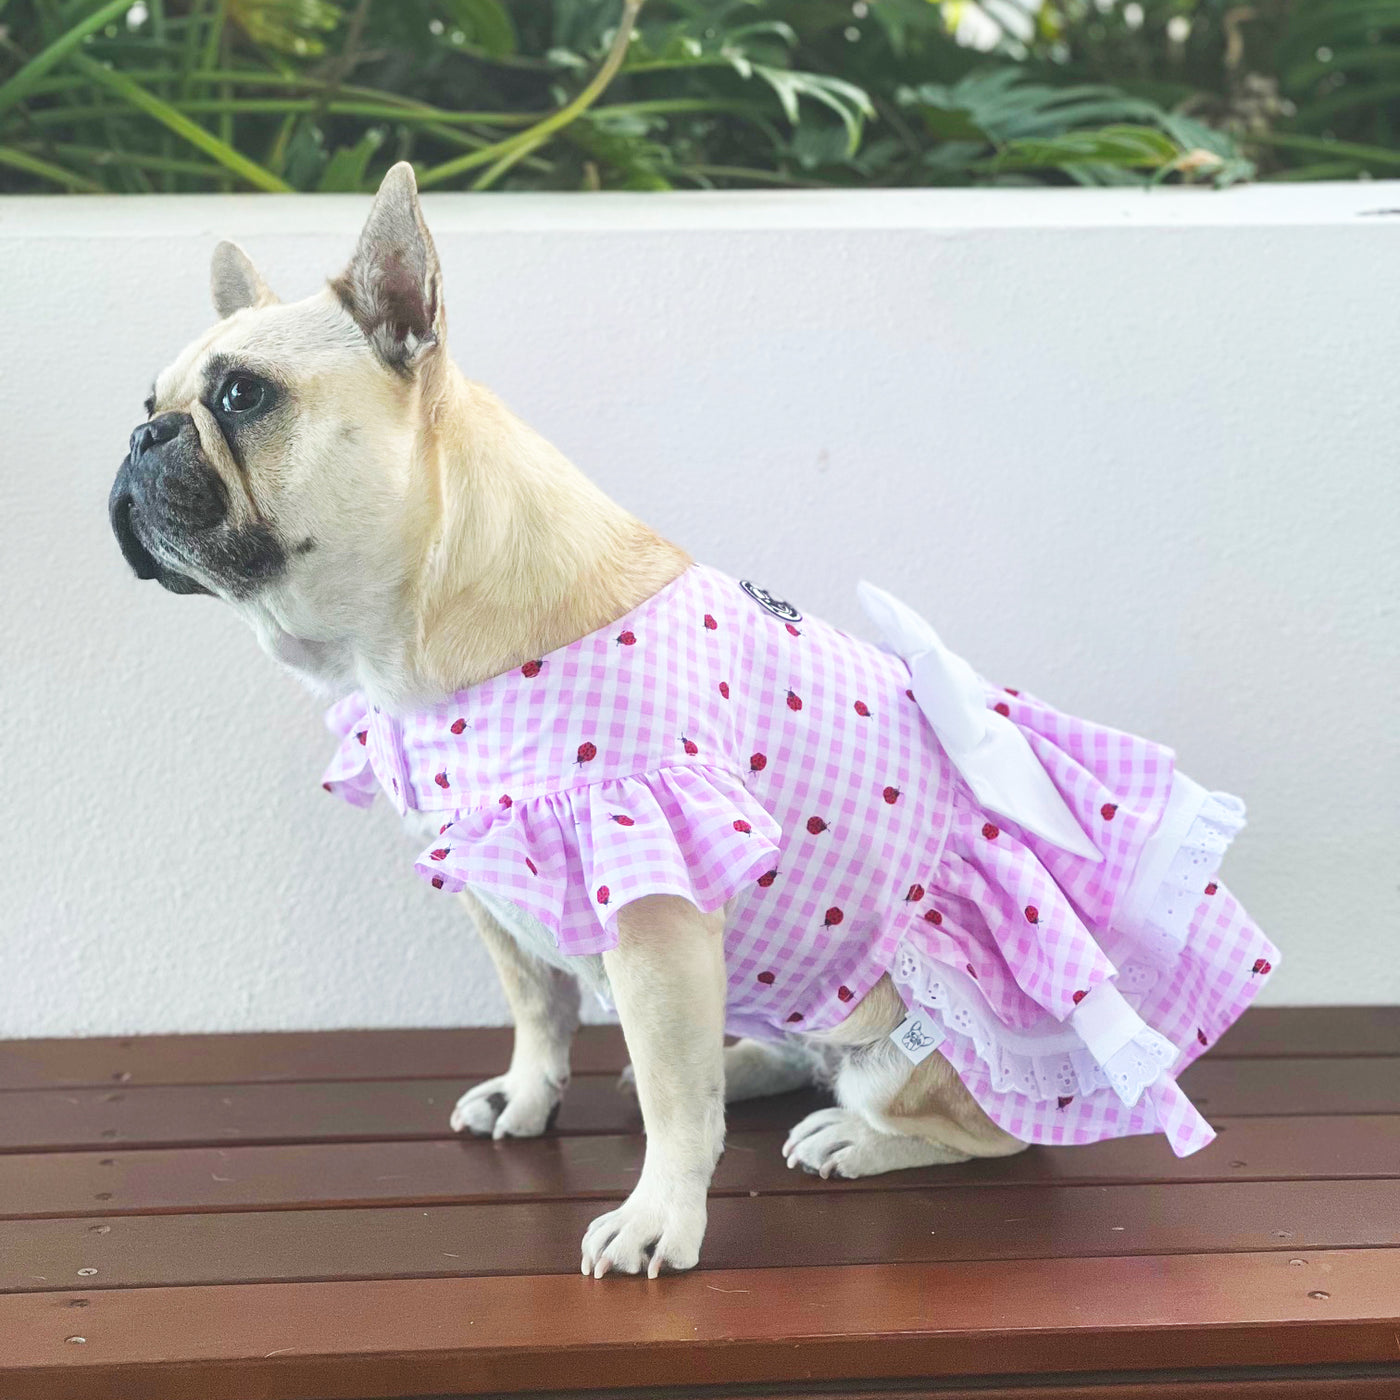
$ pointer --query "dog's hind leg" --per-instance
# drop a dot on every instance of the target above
(892, 1114)
(544, 1003)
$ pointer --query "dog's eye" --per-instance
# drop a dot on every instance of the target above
(242, 394)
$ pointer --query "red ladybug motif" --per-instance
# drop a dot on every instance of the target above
(441, 780)
(623, 821)
(690, 746)
(458, 725)
(587, 752)
(932, 916)
(1201, 1036)
(833, 917)
(1262, 967)
(1064, 1101)
(990, 832)
(437, 882)
(439, 854)
(1108, 811)
(742, 827)
(862, 709)
(362, 735)
(916, 893)
(533, 868)
(328, 787)
(891, 795)
(442, 830)
(767, 878)
(604, 894)
(710, 623)
(1002, 708)
(910, 694)
(1079, 996)
(506, 800)
(972, 972)
(724, 689)
(1032, 914)
(1212, 887)
(816, 825)
(794, 701)
(758, 762)
(766, 978)
(844, 993)
(627, 639)
(792, 630)
(796, 1016)
(531, 669)
(1009, 691)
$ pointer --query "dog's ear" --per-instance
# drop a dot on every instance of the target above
(234, 282)
(393, 284)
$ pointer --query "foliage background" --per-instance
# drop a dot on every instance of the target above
(207, 95)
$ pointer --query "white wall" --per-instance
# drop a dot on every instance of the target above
(1136, 452)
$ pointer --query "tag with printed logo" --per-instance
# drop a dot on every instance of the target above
(916, 1037)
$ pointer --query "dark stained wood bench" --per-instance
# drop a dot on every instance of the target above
(264, 1217)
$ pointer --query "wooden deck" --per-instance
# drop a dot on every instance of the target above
(278, 1216)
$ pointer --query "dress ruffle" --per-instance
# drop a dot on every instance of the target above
(349, 774)
(1022, 1053)
(573, 858)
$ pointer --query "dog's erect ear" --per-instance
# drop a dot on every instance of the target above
(393, 285)
(234, 281)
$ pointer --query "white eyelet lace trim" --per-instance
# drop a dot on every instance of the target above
(1051, 1059)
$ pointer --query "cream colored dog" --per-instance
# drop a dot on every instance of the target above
(425, 540)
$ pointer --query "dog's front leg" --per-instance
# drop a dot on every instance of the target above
(544, 1005)
(667, 979)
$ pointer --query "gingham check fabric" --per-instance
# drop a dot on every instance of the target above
(714, 744)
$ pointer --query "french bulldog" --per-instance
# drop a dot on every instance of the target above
(387, 525)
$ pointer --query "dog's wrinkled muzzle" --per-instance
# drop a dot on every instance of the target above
(121, 507)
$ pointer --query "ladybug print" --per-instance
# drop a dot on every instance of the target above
(1201, 1036)
(816, 826)
(766, 978)
(441, 780)
(844, 993)
(792, 630)
(531, 866)
(1212, 887)
(442, 830)
(862, 709)
(915, 894)
(1262, 967)
(990, 832)
(833, 917)
(1032, 914)
(623, 820)
(910, 694)
(690, 746)
(441, 853)
(505, 801)
(1108, 811)
(1009, 691)
(328, 787)
(891, 795)
(794, 701)
(531, 669)
(972, 972)
(794, 1018)
(627, 639)
(758, 762)
(362, 736)
(742, 827)
(710, 623)
(604, 894)
(437, 882)
(724, 689)
(587, 752)
(458, 726)
(1064, 1101)
(767, 878)
(1002, 708)
(1079, 996)
(933, 917)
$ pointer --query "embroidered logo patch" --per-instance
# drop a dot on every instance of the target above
(767, 601)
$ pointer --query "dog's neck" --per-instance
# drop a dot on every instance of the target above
(504, 552)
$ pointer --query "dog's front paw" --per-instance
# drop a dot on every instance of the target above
(511, 1105)
(836, 1142)
(650, 1231)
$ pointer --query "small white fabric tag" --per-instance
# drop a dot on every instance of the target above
(917, 1036)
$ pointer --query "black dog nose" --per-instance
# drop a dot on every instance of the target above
(157, 431)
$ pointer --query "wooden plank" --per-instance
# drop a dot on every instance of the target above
(193, 1115)
(480, 1336)
(591, 1167)
(808, 1230)
(292, 1056)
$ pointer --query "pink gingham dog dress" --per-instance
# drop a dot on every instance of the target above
(1041, 889)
